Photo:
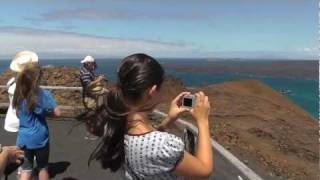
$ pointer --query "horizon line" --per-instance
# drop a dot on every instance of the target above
(186, 58)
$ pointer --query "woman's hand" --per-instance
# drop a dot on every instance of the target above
(201, 109)
(174, 111)
(176, 108)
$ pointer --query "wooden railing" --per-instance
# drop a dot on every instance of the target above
(53, 87)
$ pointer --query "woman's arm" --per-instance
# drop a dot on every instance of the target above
(51, 105)
(57, 111)
(199, 165)
(165, 124)
(174, 111)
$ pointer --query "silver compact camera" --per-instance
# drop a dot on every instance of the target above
(188, 101)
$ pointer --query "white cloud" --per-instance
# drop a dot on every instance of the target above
(58, 44)
(267, 55)
(87, 14)
(309, 50)
(96, 14)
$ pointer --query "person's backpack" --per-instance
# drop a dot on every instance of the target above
(11, 122)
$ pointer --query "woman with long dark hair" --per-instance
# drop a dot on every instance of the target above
(130, 142)
(32, 105)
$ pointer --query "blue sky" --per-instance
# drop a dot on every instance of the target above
(166, 28)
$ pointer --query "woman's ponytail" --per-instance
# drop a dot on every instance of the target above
(111, 125)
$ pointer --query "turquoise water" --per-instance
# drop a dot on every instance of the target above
(304, 91)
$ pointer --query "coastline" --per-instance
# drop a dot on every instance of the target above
(279, 74)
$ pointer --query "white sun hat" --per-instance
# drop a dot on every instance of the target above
(87, 59)
(21, 59)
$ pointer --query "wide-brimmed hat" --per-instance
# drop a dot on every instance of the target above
(87, 59)
(21, 59)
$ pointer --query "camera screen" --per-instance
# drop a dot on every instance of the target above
(187, 102)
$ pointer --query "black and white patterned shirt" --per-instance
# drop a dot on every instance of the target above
(153, 155)
(86, 76)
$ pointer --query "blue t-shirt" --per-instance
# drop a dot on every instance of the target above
(33, 130)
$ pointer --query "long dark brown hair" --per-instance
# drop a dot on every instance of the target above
(136, 74)
(27, 87)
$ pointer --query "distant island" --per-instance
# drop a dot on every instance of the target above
(288, 69)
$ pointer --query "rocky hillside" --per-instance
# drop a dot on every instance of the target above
(264, 129)
(260, 126)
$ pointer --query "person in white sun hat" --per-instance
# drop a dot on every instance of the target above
(20, 60)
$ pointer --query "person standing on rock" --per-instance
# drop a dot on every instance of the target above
(32, 105)
(129, 141)
(93, 85)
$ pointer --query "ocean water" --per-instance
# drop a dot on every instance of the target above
(304, 91)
